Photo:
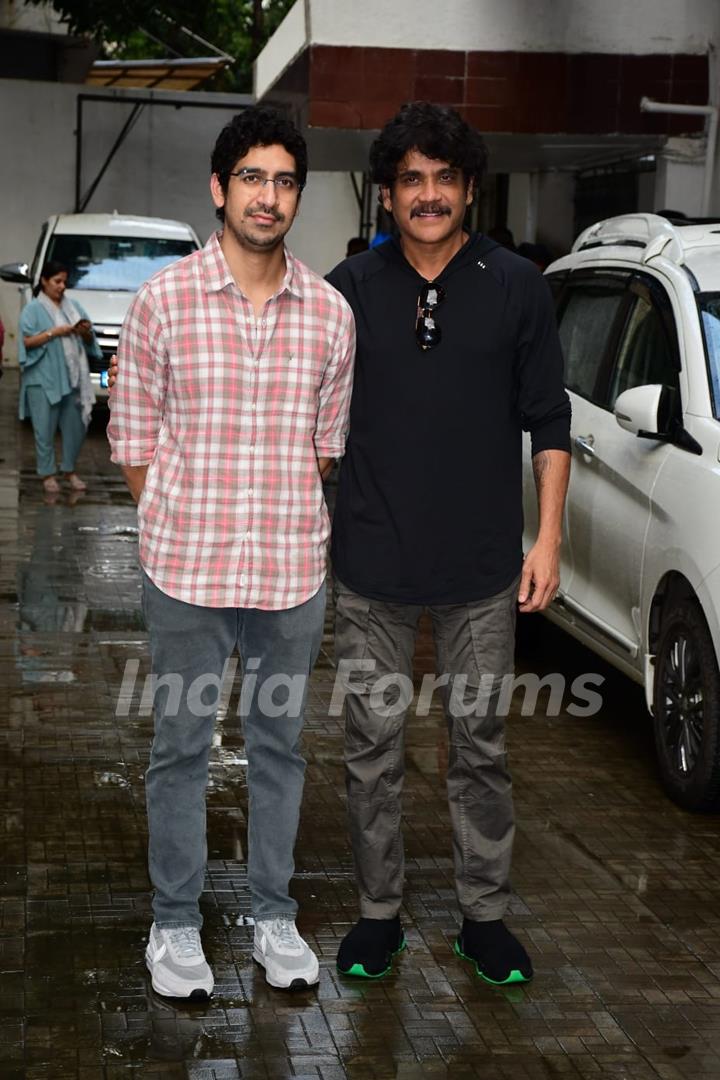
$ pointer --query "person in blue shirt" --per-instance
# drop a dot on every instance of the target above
(56, 337)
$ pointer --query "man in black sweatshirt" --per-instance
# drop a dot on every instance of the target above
(457, 353)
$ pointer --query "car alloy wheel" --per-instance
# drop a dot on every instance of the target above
(687, 709)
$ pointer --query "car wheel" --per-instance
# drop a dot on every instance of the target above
(687, 709)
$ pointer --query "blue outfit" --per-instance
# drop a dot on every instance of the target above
(46, 395)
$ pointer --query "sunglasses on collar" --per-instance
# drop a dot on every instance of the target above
(427, 332)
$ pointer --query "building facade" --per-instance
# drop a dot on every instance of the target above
(555, 85)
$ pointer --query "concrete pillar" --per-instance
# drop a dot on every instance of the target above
(523, 206)
(556, 211)
(679, 177)
(646, 193)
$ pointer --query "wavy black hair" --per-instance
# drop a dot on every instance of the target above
(50, 269)
(258, 125)
(436, 131)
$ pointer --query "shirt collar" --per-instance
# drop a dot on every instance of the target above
(218, 275)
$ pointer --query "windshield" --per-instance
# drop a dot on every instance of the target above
(709, 304)
(114, 263)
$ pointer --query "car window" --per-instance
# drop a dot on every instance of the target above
(648, 349)
(114, 263)
(709, 304)
(588, 319)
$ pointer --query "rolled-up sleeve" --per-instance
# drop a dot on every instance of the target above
(334, 397)
(542, 399)
(137, 401)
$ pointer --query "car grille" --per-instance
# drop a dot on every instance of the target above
(107, 337)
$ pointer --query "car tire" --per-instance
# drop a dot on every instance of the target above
(686, 710)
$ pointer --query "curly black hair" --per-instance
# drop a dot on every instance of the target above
(258, 125)
(437, 132)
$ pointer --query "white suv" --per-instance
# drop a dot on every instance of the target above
(108, 257)
(638, 305)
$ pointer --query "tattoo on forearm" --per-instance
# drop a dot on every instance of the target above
(541, 465)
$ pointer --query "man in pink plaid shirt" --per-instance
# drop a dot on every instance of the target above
(236, 372)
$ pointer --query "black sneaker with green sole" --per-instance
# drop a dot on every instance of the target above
(497, 955)
(367, 951)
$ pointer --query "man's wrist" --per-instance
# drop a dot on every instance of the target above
(549, 538)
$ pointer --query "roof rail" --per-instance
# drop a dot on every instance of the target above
(655, 234)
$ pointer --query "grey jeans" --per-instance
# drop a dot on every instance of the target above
(189, 642)
(471, 640)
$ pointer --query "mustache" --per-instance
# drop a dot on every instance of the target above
(270, 211)
(429, 208)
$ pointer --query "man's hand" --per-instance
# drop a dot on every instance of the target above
(541, 569)
(112, 371)
(540, 576)
(135, 476)
(325, 465)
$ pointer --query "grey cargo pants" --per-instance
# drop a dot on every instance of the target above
(471, 640)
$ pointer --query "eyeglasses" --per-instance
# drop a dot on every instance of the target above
(284, 184)
(427, 333)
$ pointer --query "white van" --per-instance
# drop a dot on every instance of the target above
(108, 257)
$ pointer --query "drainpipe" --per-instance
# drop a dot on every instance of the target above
(711, 112)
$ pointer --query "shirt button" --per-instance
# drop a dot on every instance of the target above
(243, 579)
(252, 448)
(250, 491)
(253, 406)
(248, 535)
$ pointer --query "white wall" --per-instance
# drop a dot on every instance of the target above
(288, 40)
(644, 26)
(680, 176)
(162, 169)
(522, 206)
(328, 217)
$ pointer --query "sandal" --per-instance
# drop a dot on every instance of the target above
(51, 485)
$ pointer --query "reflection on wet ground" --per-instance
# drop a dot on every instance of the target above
(616, 890)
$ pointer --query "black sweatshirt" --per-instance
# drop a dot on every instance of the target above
(429, 503)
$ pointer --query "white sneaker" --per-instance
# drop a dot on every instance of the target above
(288, 960)
(177, 963)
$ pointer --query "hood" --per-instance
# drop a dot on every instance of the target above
(103, 307)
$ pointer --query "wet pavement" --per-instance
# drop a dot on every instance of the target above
(616, 890)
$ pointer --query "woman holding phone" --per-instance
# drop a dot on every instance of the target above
(56, 337)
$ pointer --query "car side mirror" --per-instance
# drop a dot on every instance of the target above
(15, 272)
(639, 410)
(653, 412)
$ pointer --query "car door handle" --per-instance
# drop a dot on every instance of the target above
(585, 443)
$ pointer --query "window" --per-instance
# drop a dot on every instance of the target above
(114, 263)
(709, 304)
(647, 352)
(587, 325)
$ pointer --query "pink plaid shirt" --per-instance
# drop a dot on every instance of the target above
(231, 414)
